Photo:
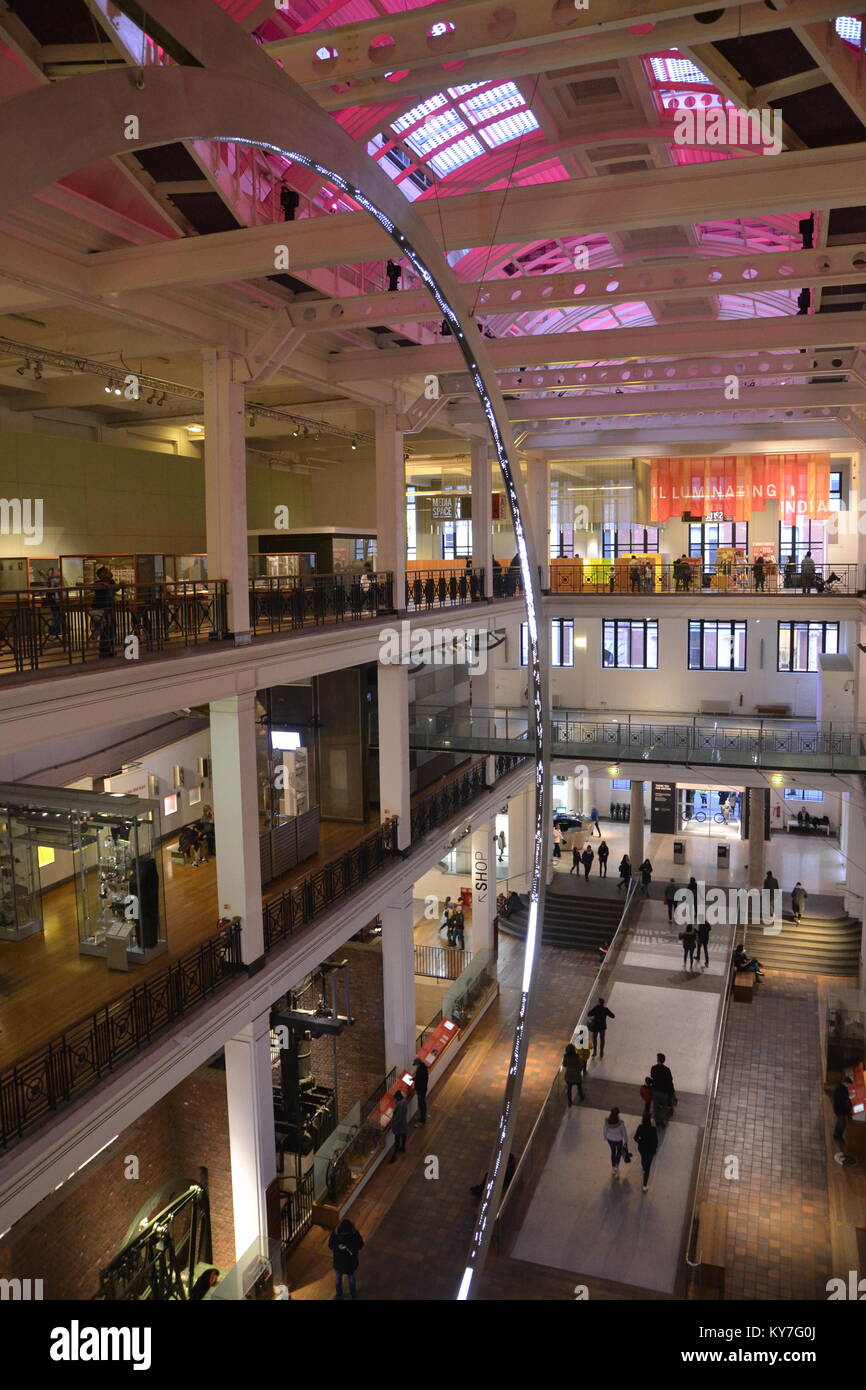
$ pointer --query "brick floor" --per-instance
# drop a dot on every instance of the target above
(417, 1230)
(769, 1115)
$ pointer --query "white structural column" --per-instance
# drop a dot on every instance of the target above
(236, 819)
(538, 500)
(482, 513)
(391, 503)
(635, 826)
(483, 887)
(398, 979)
(249, 1089)
(225, 467)
(852, 844)
(519, 851)
(394, 796)
(757, 797)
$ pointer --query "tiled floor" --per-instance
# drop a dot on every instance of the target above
(769, 1116)
(417, 1229)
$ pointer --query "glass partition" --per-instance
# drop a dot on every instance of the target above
(20, 897)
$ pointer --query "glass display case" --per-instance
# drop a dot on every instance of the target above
(130, 569)
(291, 565)
(20, 895)
(846, 1030)
(118, 892)
(186, 567)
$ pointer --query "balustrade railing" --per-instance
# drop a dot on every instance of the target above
(441, 962)
(78, 1058)
(284, 603)
(432, 810)
(691, 577)
(296, 1210)
(426, 589)
(60, 626)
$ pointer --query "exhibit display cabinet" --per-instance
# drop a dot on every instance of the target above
(118, 894)
(24, 572)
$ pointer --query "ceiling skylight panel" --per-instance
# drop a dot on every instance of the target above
(426, 108)
(493, 102)
(848, 28)
(459, 153)
(677, 70)
(501, 131)
(435, 131)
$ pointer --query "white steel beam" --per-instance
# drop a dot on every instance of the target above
(668, 340)
(637, 402)
(843, 68)
(752, 187)
(679, 279)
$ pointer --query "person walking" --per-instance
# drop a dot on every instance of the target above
(646, 877)
(557, 842)
(575, 859)
(459, 929)
(422, 1076)
(664, 1096)
(842, 1109)
(399, 1125)
(596, 1021)
(771, 883)
(573, 1068)
(798, 900)
(586, 858)
(647, 1141)
(593, 816)
(693, 889)
(346, 1244)
(393, 272)
(689, 938)
(500, 840)
(102, 610)
(603, 855)
(624, 872)
(703, 934)
(670, 897)
(646, 1095)
(616, 1135)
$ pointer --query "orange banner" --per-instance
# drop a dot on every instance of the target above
(739, 484)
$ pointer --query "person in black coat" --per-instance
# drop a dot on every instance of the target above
(399, 1125)
(647, 1140)
(588, 856)
(422, 1076)
(597, 1023)
(289, 201)
(346, 1243)
(603, 854)
(842, 1109)
(663, 1090)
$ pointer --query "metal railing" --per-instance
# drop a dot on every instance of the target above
(687, 577)
(427, 1030)
(441, 962)
(58, 627)
(432, 810)
(296, 1211)
(426, 589)
(75, 1060)
(286, 603)
(307, 900)
(543, 1133)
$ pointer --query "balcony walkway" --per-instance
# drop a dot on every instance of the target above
(698, 740)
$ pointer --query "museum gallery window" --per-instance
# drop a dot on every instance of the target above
(561, 642)
(800, 644)
(706, 537)
(801, 538)
(631, 644)
(717, 646)
(629, 540)
(802, 794)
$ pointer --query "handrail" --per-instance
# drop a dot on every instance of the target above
(604, 971)
(607, 577)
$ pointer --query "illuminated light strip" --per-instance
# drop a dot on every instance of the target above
(489, 1205)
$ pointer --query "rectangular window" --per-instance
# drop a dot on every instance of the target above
(717, 646)
(411, 524)
(456, 539)
(629, 540)
(801, 538)
(561, 642)
(705, 538)
(801, 643)
(631, 644)
(837, 501)
(801, 794)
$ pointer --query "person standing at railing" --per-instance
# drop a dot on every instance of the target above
(399, 1125)
(289, 201)
(758, 573)
(422, 1076)
(807, 573)
(789, 572)
(394, 273)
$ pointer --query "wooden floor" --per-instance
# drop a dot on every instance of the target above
(45, 985)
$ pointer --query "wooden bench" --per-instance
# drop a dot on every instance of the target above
(712, 1234)
(744, 986)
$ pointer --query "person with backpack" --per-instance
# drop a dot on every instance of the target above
(596, 1021)
(603, 855)
(624, 872)
(646, 1141)
(573, 1068)
(616, 1135)
(346, 1244)
(587, 857)
(689, 938)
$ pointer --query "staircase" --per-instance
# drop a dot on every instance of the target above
(813, 946)
(569, 920)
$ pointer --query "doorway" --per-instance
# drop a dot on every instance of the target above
(710, 811)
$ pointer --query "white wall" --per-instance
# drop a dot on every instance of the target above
(159, 764)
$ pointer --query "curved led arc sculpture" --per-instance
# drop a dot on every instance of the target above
(210, 99)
